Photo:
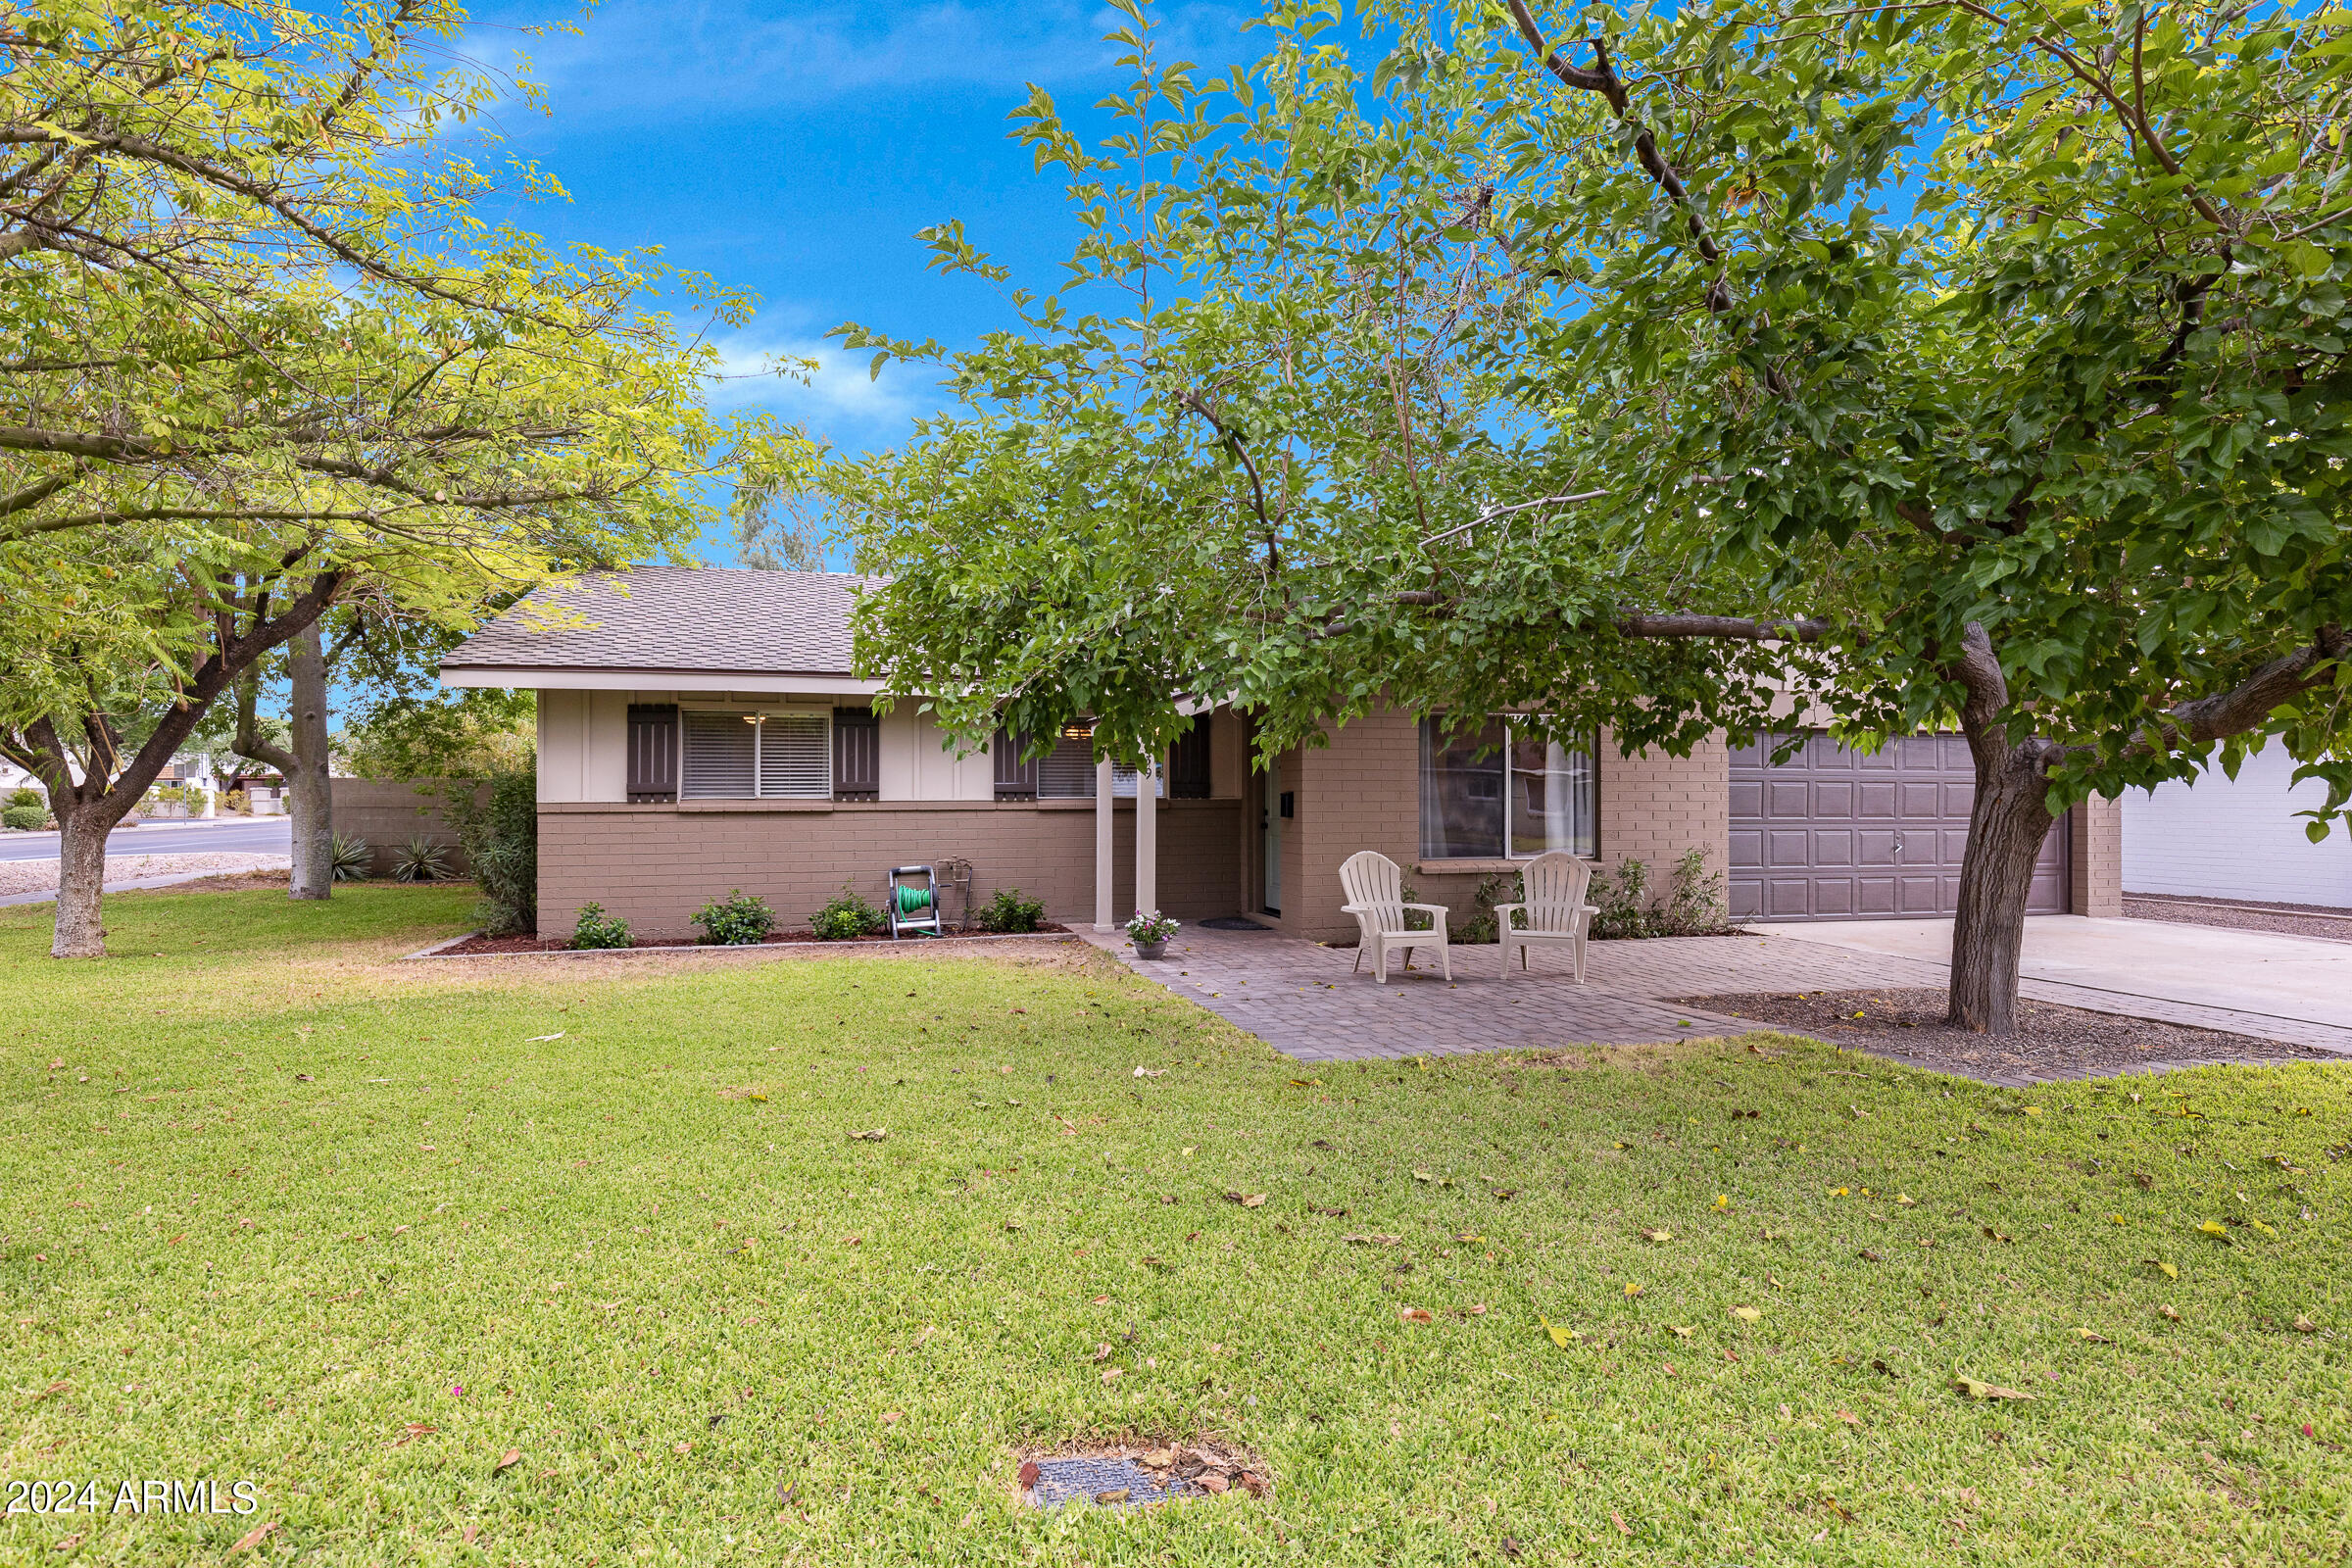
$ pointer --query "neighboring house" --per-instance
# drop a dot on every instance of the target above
(701, 731)
(2236, 838)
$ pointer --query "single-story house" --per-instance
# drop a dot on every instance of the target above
(2217, 837)
(700, 729)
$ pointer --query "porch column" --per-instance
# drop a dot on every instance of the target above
(1105, 857)
(1147, 837)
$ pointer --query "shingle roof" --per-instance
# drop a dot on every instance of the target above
(700, 618)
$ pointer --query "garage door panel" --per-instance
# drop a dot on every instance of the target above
(1921, 895)
(1874, 895)
(1831, 834)
(1747, 849)
(1920, 799)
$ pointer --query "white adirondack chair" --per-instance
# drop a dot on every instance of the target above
(1376, 898)
(1555, 910)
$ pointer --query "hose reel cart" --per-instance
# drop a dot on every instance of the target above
(912, 906)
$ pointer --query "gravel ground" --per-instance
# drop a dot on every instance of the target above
(2294, 919)
(2054, 1041)
(40, 876)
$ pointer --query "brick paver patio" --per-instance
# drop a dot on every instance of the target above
(1302, 998)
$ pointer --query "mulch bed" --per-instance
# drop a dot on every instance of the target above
(2292, 919)
(535, 943)
(2052, 1042)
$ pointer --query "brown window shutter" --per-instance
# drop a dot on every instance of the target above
(1188, 762)
(856, 754)
(1017, 776)
(652, 751)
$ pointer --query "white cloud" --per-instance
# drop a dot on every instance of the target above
(838, 399)
(730, 55)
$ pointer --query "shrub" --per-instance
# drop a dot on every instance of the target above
(500, 835)
(737, 920)
(26, 795)
(1499, 889)
(420, 861)
(1693, 905)
(846, 915)
(597, 929)
(23, 818)
(1623, 903)
(237, 801)
(349, 859)
(1009, 913)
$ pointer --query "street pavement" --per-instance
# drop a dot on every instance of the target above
(240, 835)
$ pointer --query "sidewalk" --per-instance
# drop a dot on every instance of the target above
(111, 886)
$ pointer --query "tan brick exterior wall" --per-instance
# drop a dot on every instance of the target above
(388, 814)
(1656, 809)
(655, 866)
(2095, 859)
(1363, 791)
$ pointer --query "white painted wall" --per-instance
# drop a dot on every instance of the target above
(563, 746)
(584, 744)
(918, 765)
(583, 750)
(2236, 838)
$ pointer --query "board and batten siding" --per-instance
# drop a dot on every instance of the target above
(2224, 838)
(584, 737)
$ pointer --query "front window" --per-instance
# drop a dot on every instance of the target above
(1502, 790)
(766, 755)
(1067, 771)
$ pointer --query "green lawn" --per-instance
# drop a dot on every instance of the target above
(655, 1264)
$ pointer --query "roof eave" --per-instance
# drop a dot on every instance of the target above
(577, 678)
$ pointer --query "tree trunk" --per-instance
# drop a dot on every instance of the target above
(309, 804)
(2006, 824)
(312, 804)
(2005, 829)
(80, 879)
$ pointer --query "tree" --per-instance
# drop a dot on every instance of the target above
(1946, 364)
(304, 762)
(261, 357)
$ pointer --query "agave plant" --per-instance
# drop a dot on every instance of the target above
(350, 857)
(420, 861)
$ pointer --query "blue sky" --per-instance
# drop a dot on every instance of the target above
(794, 149)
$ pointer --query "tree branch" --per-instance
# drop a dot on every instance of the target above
(2245, 705)
(1738, 629)
(1603, 81)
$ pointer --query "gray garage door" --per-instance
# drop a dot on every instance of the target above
(1834, 835)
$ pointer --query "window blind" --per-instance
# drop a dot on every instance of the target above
(796, 755)
(719, 757)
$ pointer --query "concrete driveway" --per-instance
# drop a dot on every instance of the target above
(2263, 974)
